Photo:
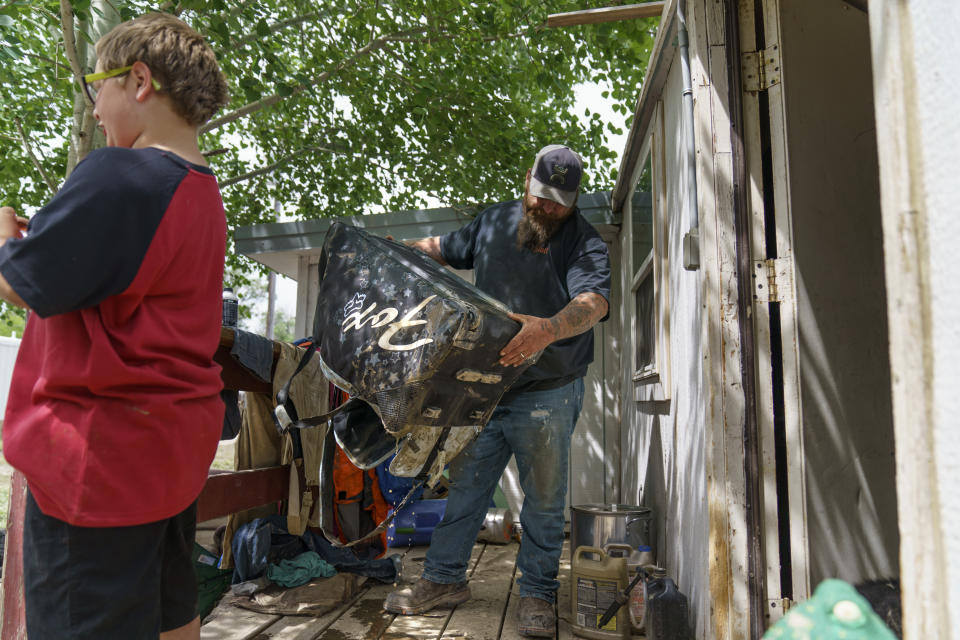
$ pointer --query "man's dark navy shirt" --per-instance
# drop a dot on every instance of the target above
(537, 283)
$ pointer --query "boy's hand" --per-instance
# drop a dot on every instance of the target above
(11, 225)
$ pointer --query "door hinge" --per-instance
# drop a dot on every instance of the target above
(778, 608)
(760, 70)
(773, 280)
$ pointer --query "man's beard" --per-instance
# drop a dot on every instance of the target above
(536, 228)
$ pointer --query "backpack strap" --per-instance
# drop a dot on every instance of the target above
(282, 416)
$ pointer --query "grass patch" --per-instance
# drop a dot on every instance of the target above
(225, 455)
(6, 472)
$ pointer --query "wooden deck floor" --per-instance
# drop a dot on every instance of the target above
(489, 615)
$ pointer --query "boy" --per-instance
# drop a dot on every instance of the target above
(114, 411)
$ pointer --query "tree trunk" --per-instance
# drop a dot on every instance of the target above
(84, 134)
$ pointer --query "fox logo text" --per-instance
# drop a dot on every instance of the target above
(387, 317)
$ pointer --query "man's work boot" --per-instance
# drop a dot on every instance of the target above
(536, 618)
(425, 595)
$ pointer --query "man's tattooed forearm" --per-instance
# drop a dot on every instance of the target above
(580, 314)
(555, 324)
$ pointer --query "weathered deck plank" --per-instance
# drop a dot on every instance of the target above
(480, 617)
(489, 615)
(432, 623)
(229, 622)
(308, 627)
(564, 614)
(365, 618)
(563, 603)
(509, 627)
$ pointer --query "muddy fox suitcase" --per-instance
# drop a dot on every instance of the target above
(419, 344)
(403, 333)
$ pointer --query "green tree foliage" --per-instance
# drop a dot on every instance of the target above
(283, 326)
(338, 108)
(11, 322)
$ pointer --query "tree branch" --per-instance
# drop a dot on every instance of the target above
(469, 209)
(273, 166)
(69, 40)
(448, 35)
(291, 156)
(237, 10)
(56, 63)
(279, 26)
(33, 158)
(269, 101)
(234, 11)
(506, 36)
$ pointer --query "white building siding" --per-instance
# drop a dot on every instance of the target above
(936, 52)
(664, 437)
(915, 49)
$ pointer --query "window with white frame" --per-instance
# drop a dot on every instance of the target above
(644, 308)
(648, 256)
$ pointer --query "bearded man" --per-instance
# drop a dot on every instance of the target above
(547, 264)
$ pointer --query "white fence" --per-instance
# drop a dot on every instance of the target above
(8, 357)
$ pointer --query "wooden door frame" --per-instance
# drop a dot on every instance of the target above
(772, 108)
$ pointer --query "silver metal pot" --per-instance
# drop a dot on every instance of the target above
(497, 527)
(599, 525)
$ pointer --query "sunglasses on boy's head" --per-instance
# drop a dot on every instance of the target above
(90, 78)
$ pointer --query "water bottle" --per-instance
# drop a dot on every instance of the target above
(666, 616)
(230, 307)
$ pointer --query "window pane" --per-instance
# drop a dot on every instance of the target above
(646, 325)
(641, 212)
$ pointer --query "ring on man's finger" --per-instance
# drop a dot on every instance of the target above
(523, 356)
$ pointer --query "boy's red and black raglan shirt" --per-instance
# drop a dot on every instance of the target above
(114, 412)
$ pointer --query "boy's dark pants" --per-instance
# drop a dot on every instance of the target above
(107, 582)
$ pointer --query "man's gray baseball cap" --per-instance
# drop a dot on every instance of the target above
(556, 174)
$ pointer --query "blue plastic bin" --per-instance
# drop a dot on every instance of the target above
(415, 523)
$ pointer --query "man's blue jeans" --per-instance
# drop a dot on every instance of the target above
(536, 427)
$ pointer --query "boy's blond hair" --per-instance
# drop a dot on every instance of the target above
(178, 57)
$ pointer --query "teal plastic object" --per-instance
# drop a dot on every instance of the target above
(835, 612)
